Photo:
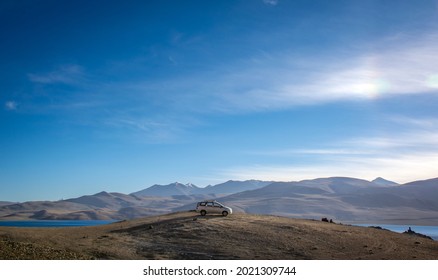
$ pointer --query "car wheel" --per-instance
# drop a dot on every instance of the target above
(203, 212)
(224, 213)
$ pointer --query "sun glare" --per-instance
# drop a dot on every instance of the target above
(372, 89)
(432, 81)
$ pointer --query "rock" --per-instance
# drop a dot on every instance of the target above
(411, 232)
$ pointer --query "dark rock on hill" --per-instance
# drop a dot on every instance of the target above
(413, 233)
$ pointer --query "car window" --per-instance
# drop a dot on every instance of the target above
(209, 204)
(217, 205)
(202, 203)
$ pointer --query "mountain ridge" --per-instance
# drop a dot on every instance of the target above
(341, 198)
(168, 190)
(176, 188)
(383, 182)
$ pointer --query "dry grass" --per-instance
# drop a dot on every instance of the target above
(186, 235)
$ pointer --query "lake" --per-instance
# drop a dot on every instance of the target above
(55, 223)
(431, 231)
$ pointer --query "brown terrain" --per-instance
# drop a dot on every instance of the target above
(186, 235)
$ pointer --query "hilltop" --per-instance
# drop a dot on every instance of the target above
(186, 235)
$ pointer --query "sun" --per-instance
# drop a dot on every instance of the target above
(371, 89)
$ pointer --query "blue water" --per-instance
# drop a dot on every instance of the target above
(431, 231)
(55, 223)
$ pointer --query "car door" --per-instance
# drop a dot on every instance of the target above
(217, 208)
(210, 208)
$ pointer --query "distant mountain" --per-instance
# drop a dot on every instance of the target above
(347, 199)
(231, 187)
(169, 190)
(321, 186)
(307, 198)
(430, 184)
(2, 203)
(100, 206)
(106, 200)
(383, 182)
(425, 190)
(228, 187)
(339, 198)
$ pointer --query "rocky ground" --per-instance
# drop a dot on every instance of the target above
(186, 235)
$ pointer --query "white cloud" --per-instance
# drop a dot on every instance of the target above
(402, 168)
(402, 157)
(281, 81)
(11, 105)
(66, 74)
(432, 81)
(394, 68)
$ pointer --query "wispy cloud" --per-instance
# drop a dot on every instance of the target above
(401, 168)
(271, 81)
(278, 80)
(11, 105)
(281, 80)
(419, 123)
(404, 157)
(394, 68)
(145, 130)
(66, 74)
(271, 2)
(149, 129)
(319, 151)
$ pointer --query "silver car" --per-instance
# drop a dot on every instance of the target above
(213, 207)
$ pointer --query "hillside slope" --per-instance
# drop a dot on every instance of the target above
(186, 235)
(3, 203)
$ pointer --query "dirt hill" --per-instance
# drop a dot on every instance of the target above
(186, 235)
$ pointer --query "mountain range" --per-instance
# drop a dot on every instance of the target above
(157, 199)
(176, 188)
(339, 198)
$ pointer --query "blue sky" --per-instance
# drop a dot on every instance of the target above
(120, 95)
